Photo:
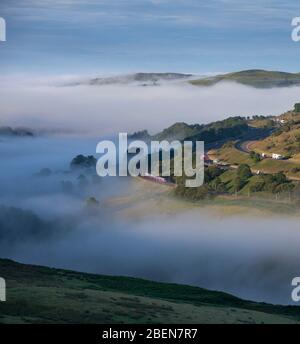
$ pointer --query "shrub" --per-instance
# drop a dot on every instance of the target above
(255, 156)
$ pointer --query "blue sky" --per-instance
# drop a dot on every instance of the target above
(112, 36)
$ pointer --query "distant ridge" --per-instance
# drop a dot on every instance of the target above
(8, 131)
(257, 78)
(142, 79)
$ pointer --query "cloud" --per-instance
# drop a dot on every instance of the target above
(215, 13)
(254, 258)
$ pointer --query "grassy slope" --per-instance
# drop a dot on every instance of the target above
(44, 295)
(254, 78)
(233, 156)
(285, 143)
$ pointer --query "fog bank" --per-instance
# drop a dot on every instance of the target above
(104, 110)
(252, 257)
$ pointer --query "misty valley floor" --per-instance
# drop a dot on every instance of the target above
(43, 295)
(139, 228)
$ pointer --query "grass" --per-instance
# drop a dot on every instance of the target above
(285, 143)
(286, 140)
(233, 156)
(43, 295)
(259, 123)
(228, 178)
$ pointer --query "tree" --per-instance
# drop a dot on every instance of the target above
(255, 156)
(297, 107)
(212, 172)
(244, 172)
(218, 185)
(279, 178)
(81, 161)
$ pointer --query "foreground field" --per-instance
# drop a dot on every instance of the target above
(44, 295)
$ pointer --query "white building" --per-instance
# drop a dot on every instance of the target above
(277, 156)
(281, 121)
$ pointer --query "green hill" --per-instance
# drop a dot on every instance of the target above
(38, 294)
(255, 78)
(178, 131)
(230, 128)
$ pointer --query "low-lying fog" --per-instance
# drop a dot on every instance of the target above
(255, 258)
(104, 110)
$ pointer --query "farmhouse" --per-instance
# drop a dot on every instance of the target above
(277, 156)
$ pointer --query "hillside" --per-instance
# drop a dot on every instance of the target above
(227, 129)
(38, 294)
(178, 131)
(142, 79)
(278, 135)
(255, 78)
(285, 140)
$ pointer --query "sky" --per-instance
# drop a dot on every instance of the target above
(113, 36)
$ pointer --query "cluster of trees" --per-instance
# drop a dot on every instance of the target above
(18, 225)
(193, 194)
(233, 128)
(140, 135)
(81, 161)
(297, 107)
(230, 128)
(211, 187)
(242, 177)
(255, 156)
(273, 183)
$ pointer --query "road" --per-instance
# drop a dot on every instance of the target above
(245, 144)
